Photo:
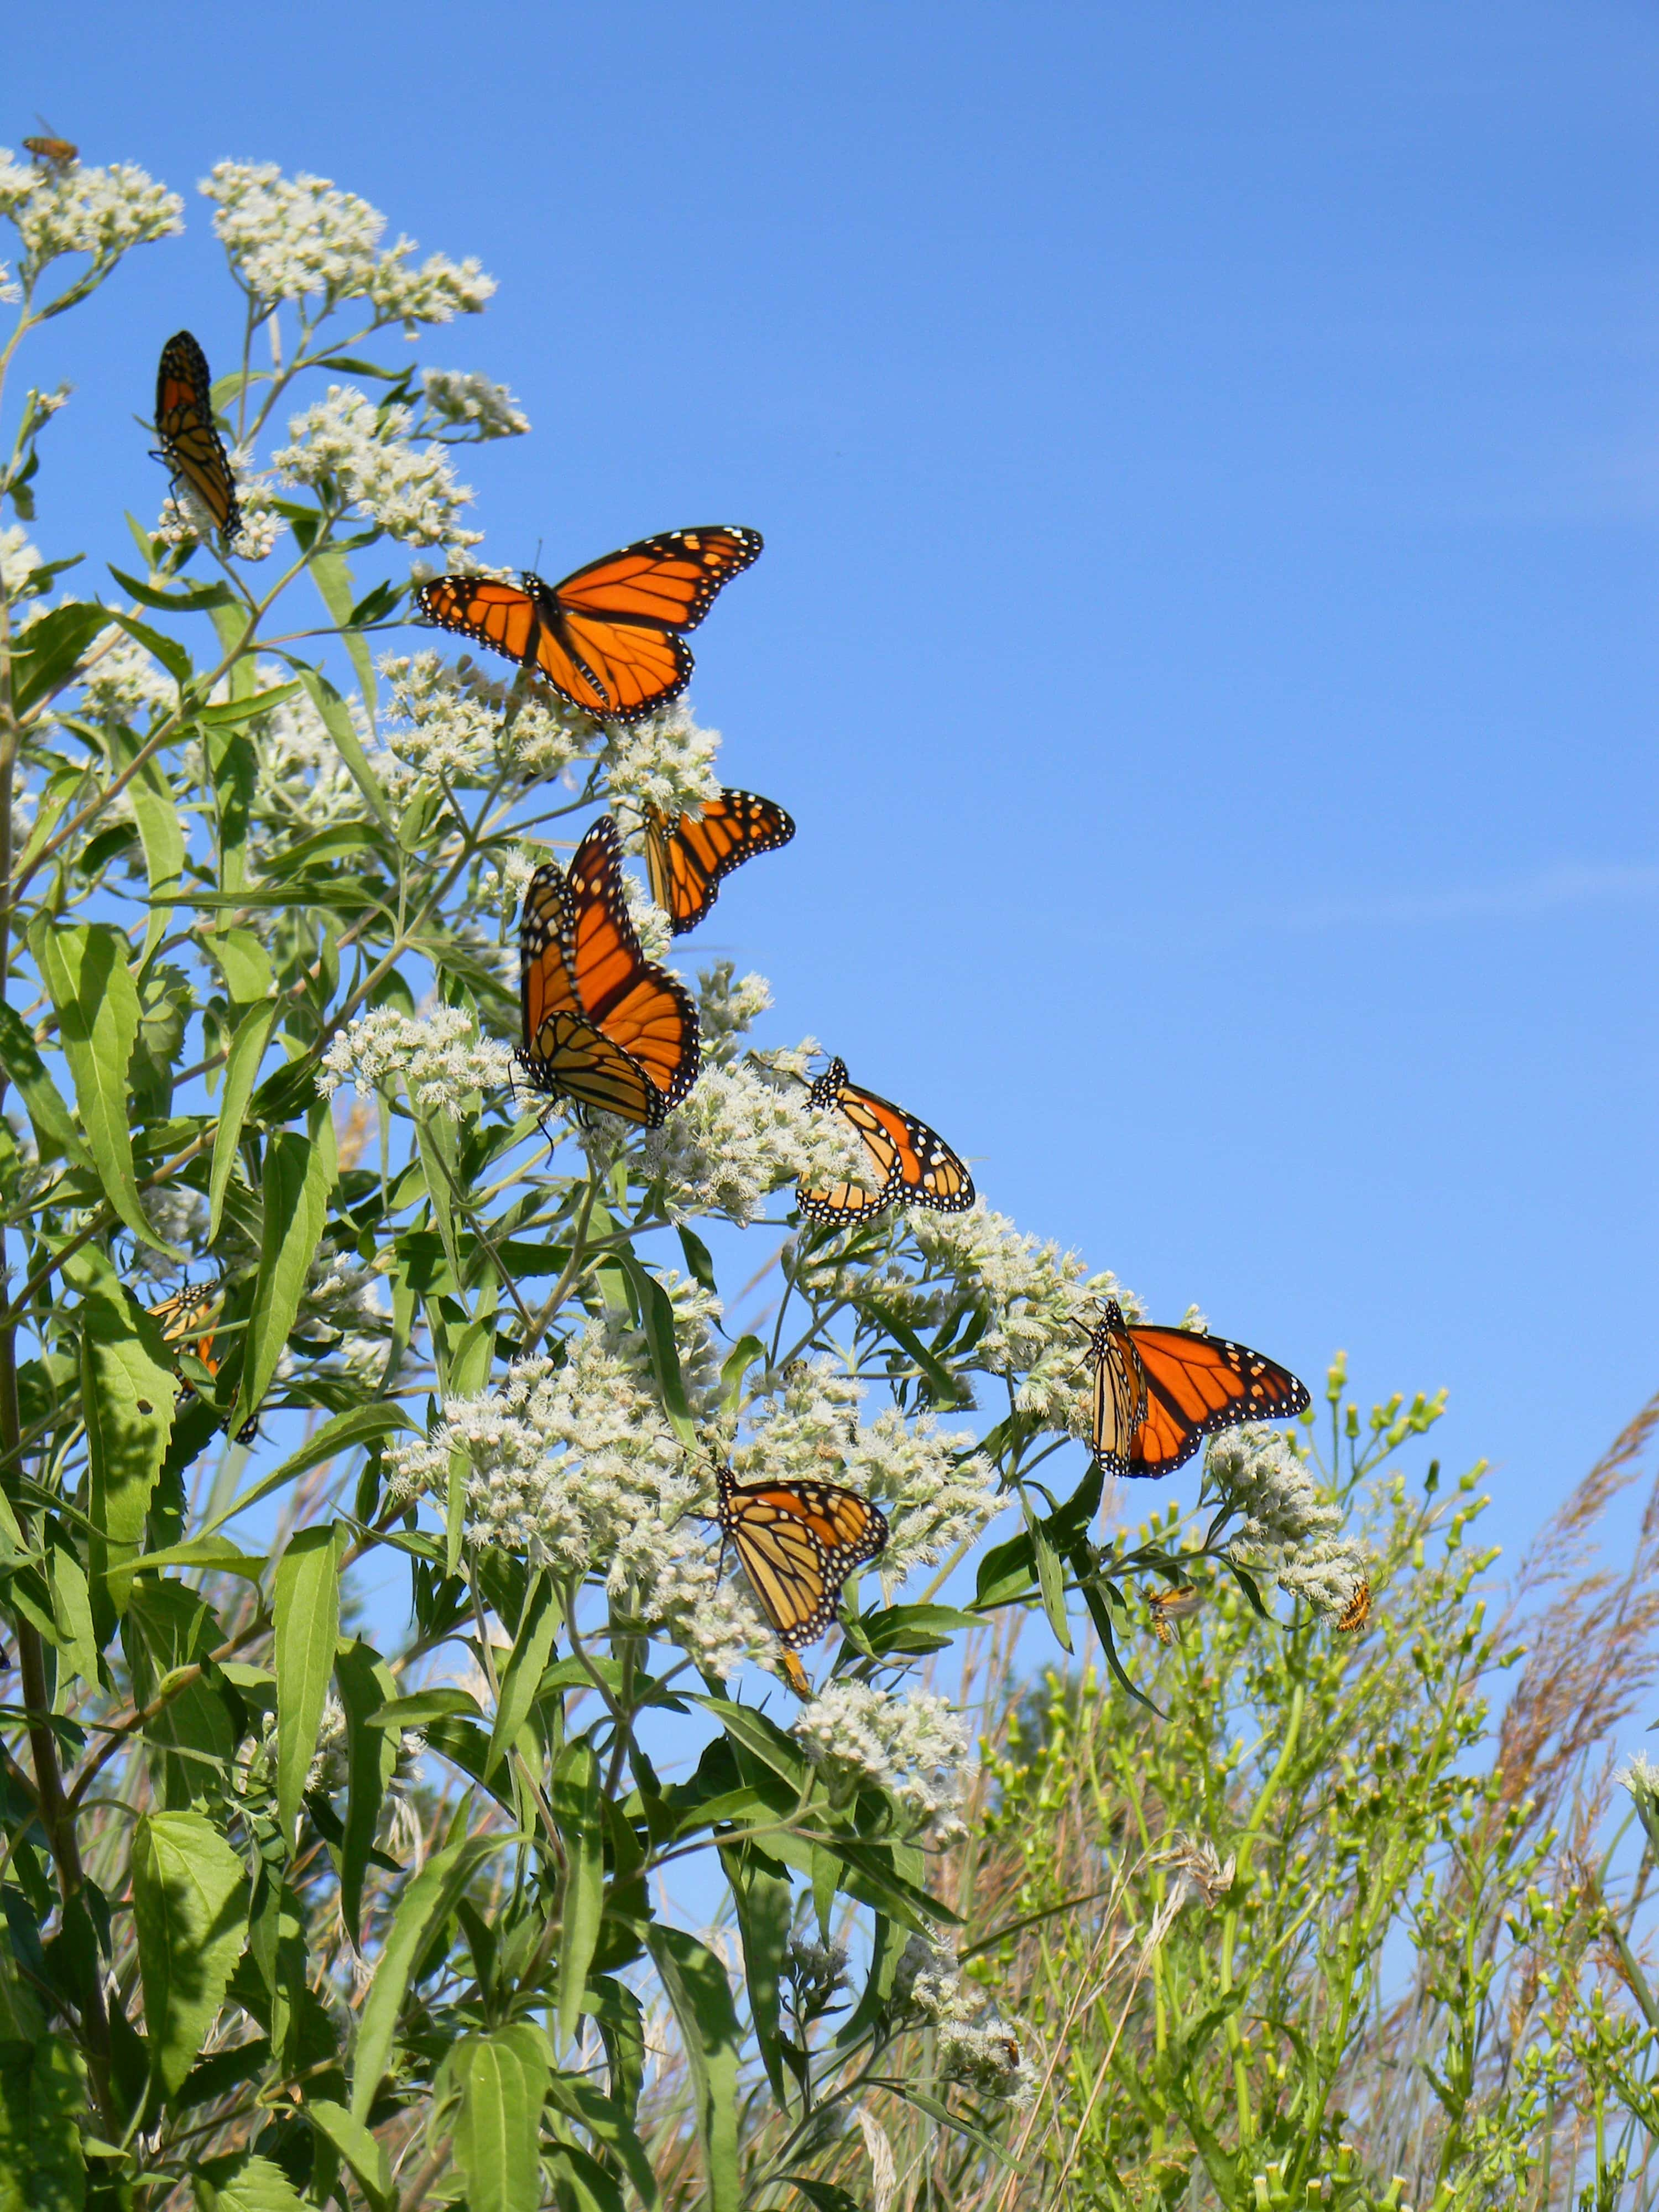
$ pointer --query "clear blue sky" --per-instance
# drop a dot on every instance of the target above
(1208, 460)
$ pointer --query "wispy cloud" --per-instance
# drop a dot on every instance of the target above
(1567, 883)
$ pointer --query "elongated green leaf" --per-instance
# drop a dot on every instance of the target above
(336, 719)
(307, 1610)
(421, 1909)
(694, 1983)
(765, 1905)
(159, 831)
(243, 962)
(188, 1907)
(295, 1197)
(128, 1389)
(225, 713)
(1051, 1581)
(71, 1609)
(341, 1432)
(501, 2079)
(363, 2153)
(436, 1143)
(533, 1647)
(657, 1320)
(331, 575)
(365, 1683)
(54, 1124)
(42, 2100)
(247, 1049)
(579, 1814)
(737, 1364)
(172, 656)
(84, 967)
(45, 655)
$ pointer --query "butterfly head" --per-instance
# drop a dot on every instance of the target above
(830, 1085)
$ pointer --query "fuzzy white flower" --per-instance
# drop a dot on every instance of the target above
(261, 524)
(1038, 1301)
(913, 1748)
(98, 212)
(1289, 1526)
(359, 453)
(728, 1010)
(473, 404)
(11, 291)
(441, 1057)
(938, 1493)
(303, 782)
(741, 1135)
(666, 761)
(19, 559)
(298, 238)
(976, 2048)
(713, 1619)
(124, 679)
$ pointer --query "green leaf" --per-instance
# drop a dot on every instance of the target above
(533, 1647)
(128, 1389)
(246, 2183)
(738, 1363)
(160, 831)
(421, 1910)
(243, 962)
(1051, 1581)
(336, 719)
(765, 1905)
(436, 1142)
(358, 1424)
(84, 967)
(331, 575)
(943, 1387)
(296, 1196)
(307, 1610)
(699, 1263)
(657, 1320)
(502, 2079)
(188, 1907)
(694, 1983)
(227, 714)
(425, 1705)
(54, 1124)
(607, 2122)
(45, 657)
(247, 1049)
(71, 1609)
(916, 1629)
(172, 656)
(363, 2153)
(577, 1812)
(365, 1683)
(43, 2097)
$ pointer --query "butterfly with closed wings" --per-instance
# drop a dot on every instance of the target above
(690, 857)
(603, 1025)
(915, 1164)
(191, 446)
(193, 1311)
(1159, 1391)
(611, 639)
(798, 1543)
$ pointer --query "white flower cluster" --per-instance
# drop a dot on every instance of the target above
(912, 1748)
(1035, 1295)
(11, 291)
(728, 1009)
(440, 1057)
(19, 559)
(474, 405)
(124, 679)
(1289, 1525)
(359, 453)
(651, 924)
(454, 723)
(99, 212)
(303, 782)
(666, 761)
(742, 1134)
(984, 2053)
(298, 238)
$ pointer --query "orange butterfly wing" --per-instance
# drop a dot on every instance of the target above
(191, 446)
(799, 1542)
(917, 1167)
(609, 638)
(1160, 1391)
(638, 1004)
(563, 1051)
(688, 860)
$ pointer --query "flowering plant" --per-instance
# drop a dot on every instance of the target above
(360, 1412)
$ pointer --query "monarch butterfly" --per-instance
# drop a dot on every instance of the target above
(1158, 1391)
(193, 1310)
(798, 1542)
(191, 446)
(689, 859)
(602, 1023)
(916, 1165)
(609, 638)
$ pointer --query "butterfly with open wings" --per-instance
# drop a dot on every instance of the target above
(690, 857)
(1159, 1391)
(915, 1165)
(611, 638)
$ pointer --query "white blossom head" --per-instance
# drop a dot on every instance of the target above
(440, 1058)
(664, 760)
(472, 406)
(102, 213)
(1287, 1526)
(912, 1747)
(359, 457)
